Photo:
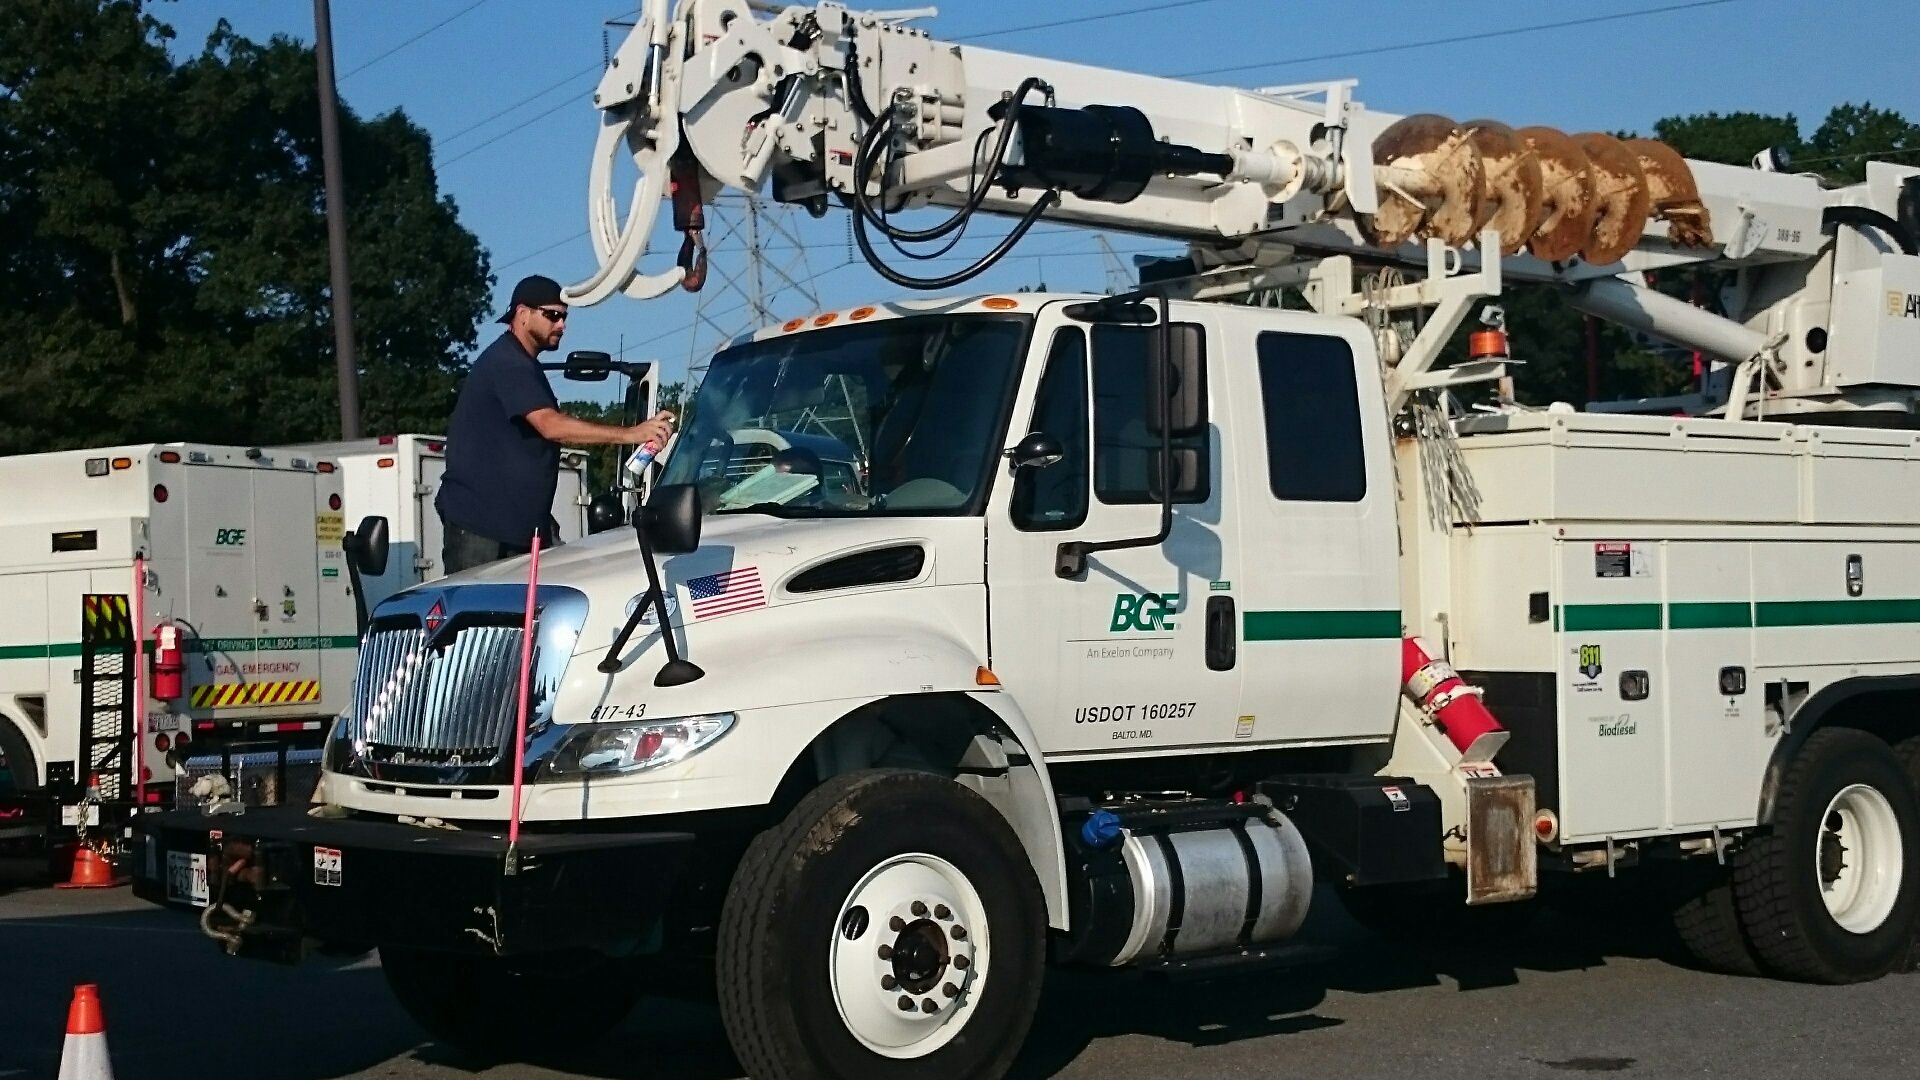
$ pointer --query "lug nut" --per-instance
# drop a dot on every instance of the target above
(919, 909)
(949, 989)
(940, 912)
(897, 923)
(962, 963)
(888, 982)
(959, 933)
(906, 1003)
(929, 1006)
(886, 952)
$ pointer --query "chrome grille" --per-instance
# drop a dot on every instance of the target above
(440, 702)
(446, 696)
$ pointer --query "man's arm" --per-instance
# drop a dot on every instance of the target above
(556, 426)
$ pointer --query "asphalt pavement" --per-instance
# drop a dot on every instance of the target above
(1570, 996)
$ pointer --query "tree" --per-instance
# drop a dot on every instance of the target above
(166, 248)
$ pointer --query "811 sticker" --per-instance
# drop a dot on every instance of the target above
(326, 866)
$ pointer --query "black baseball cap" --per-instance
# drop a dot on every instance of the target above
(533, 291)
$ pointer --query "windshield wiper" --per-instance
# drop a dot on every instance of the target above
(776, 509)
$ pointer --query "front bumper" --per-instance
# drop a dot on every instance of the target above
(356, 883)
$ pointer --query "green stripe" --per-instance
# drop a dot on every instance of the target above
(209, 645)
(1738, 615)
(1582, 617)
(1320, 625)
(272, 644)
(1709, 616)
(39, 652)
(1837, 612)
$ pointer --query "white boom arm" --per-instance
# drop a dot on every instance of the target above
(825, 104)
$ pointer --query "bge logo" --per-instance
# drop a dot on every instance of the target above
(229, 537)
(1152, 611)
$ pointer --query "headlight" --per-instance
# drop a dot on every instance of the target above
(613, 749)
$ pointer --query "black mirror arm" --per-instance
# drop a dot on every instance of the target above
(675, 671)
(350, 543)
(1070, 558)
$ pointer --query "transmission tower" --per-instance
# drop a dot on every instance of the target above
(1119, 276)
(756, 269)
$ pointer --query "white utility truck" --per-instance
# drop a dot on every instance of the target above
(245, 613)
(398, 476)
(1134, 618)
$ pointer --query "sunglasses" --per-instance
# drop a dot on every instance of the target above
(553, 314)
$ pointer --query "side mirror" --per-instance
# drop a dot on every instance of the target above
(585, 365)
(671, 519)
(605, 512)
(369, 549)
(1037, 451)
(1184, 387)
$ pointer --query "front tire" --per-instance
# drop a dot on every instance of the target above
(891, 926)
(1830, 894)
(499, 1010)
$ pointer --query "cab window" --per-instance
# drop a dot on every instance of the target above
(1055, 497)
(1312, 403)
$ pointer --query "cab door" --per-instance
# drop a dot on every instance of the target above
(1115, 660)
(1318, 599)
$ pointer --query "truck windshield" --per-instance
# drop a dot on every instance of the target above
(901, 416)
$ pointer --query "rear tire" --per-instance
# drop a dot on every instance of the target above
(1707, 922)
(882, 893)
(1829, 894)
(499, 1010)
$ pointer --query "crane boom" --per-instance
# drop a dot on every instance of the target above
(823, 104)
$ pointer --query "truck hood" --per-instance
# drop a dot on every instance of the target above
(744, 563)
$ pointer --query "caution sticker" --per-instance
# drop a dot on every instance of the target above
(239, 695)
(327, 866)
(328, 528)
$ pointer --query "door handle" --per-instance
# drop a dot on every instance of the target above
(1223, 638)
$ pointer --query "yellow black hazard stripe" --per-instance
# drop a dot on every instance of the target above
(104, 619)
(244, 695)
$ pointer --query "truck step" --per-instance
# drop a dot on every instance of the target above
(1239, 962)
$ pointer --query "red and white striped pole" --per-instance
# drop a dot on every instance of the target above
(520, 720)
(139, 709)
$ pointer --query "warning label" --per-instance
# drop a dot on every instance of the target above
(328, 528)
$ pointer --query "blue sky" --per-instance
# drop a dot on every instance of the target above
(520, 180)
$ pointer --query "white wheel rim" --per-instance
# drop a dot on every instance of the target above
(936, 954)
(1859, 859)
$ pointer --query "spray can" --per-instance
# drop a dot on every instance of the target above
(642, 456)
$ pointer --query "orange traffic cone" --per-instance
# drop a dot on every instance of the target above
(90, 871)
(85, 1055)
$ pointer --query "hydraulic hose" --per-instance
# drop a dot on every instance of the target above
(869, 150)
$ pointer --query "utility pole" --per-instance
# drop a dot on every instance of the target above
(348, 370)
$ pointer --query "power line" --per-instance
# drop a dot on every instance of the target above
(484, 143)
(528, 100)
(414, 38)
(1456, 40)
(1083, 19)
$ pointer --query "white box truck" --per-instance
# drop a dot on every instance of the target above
(398, 476)
(242, 564)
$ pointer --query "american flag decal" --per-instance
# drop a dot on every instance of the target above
(724, 594)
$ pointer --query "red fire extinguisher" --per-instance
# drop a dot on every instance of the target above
(169, 666)
(1455, 707)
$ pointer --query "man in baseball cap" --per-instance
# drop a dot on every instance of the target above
(503, 444)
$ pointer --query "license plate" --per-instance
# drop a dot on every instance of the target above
(187, 878)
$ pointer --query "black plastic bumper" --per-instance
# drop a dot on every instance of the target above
(354, 882)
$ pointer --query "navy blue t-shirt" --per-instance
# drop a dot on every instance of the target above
(501, 474)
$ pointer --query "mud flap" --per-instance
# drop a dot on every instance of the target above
(1502, 863)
